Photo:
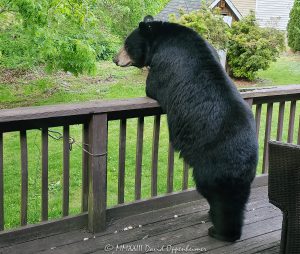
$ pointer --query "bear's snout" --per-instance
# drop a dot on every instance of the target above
(122, 59)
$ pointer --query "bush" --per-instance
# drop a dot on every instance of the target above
(252, 48)
(294, 27)
(208, 23)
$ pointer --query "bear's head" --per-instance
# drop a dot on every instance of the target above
(137, 45)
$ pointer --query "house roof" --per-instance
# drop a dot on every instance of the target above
(174, 6)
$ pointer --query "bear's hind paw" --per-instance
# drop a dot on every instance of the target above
(212, 232)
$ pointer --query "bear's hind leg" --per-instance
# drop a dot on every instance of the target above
(228, 212)
(208, 195)
(205, 191)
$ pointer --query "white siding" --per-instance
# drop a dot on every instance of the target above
(273, 13)
(244, 6)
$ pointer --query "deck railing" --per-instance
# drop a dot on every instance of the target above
(94, 118)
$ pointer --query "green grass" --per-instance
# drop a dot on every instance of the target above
(38, 88)
(283, 72)
(110, 82)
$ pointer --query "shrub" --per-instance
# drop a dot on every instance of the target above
(294, 27)
(208, 23)
(252, 48)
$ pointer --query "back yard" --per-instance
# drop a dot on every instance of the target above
(18, 89)
(22, 88)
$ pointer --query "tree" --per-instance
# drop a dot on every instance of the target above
(294, 27)
(55, 33)
(252, 48)
(70, 35)
(123, 16)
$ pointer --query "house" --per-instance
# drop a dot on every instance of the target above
(273, 13)
(269, 13)
(227, 8)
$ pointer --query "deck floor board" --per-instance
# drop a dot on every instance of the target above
(182, 226)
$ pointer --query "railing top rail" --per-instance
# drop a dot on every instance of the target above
(270, 91)
(119, 106)
(86, 108)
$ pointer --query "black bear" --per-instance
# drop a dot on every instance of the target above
(209, 122)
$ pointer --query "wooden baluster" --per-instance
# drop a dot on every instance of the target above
(66, 173)
(97, 173)
(292, 122)
(156, 130)
(85, 168)
(44, 174)
(185, 181)
(299, 133)
(1, 184)
(24, 178)
(122, 158)
(280, 120)
(139, 158)
(257, 118)
(265, 166)
(170, 169)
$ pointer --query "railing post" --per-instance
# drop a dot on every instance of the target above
(97, 173)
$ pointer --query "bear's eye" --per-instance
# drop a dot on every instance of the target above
(126, 47)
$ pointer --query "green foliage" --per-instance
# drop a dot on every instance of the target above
(208, 23)
(252, 48)
(55, 33)
(294, 27)
(69, 35)
(123, 16)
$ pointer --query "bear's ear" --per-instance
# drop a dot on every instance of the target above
(145, 29)
(148, 18)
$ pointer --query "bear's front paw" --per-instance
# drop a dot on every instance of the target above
(226, 238)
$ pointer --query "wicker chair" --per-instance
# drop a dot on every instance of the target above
(284, 191)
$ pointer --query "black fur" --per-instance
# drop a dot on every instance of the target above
(209, 122)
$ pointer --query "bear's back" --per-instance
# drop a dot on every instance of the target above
(203, 105)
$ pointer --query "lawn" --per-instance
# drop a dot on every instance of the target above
(283, 72)
(38, 88)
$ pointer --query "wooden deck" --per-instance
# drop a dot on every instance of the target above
(181, 226)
